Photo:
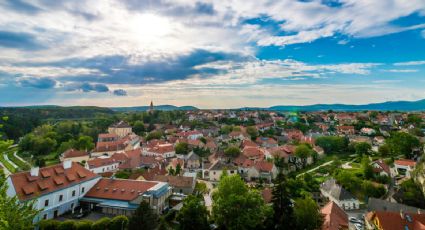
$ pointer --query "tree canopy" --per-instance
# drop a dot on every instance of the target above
(193, 215)
(236, 206)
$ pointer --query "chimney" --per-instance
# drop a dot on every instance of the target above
(34, 171)
(67, 164)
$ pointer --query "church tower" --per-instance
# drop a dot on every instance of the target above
(151, 107)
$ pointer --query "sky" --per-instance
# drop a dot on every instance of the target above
(211, 54)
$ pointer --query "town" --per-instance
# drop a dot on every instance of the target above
(220, 169)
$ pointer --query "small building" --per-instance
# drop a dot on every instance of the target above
(123, 197)
(179, 184)
(334, 218)
(120, 128)
(216, 170)
(262, 170)
(334, 192)
(346, 130)
(102, 164)
(74, 156)
(381, 168)
(404, 166)
(386, 220)
(192, 161)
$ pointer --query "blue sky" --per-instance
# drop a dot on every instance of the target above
(211, 54)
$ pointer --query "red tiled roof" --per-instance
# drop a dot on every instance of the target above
(150, 173)
(383, 166)
(405, 162)
(396, 221)
(253, 152)
(27, 186)
(175, 181)
(264, 166)
(334, 217)
(74, 153)
(100, 161)
(107, 135)
(118, 189)
(162, 149)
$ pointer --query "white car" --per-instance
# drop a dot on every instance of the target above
(358, 226)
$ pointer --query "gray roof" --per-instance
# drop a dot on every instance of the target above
(192, 156)
(383, 205)
(221, 166)
(121, 124)
(336, 191)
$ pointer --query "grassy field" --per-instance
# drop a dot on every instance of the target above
(7, 164)
(22, 165)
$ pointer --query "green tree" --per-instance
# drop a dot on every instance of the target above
(303, 152)
(143, 218)
(252, 131)
(13, 213)
(201, 188)
(83, 225)
(118, 223)
(384, 150)
(332, 144)
(193, 215)
(48, 224)
(139, 127)
(362, 148)
(402, 143)
(282, 205)
(84, 143)
(232, 151)
(178, 169)
(236, 206)
(367, 168)
(182, 148)
(307, 214)
(154, 135)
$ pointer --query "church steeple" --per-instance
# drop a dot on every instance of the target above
(151, 107)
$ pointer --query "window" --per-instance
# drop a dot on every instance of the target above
(60, 198)
(73, 193)
(82, 190)
(45, 216)
(46, 203)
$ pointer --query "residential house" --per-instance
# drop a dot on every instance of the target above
(192, 160)
(404, 166)
(160, 150)
(216, 170)
(192, 135)
(179, 184)
(102, 164)
(381, 168)
(334, 218)
(262, 170)
(74, 155)
(334, 192)
(54, 189)
(266, 142)
(345, 130)
(385, 220)
(120, 128)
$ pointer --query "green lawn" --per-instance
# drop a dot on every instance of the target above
(7, 164)
(22, 165)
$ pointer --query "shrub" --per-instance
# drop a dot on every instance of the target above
(48, 224)
(67, 225)
(101, 224)
(83, 225)
(118, 223)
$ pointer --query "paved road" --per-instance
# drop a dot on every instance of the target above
(316, 168)
(6, 172)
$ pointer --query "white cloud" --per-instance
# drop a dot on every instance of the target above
(409, 63)
(401, 70)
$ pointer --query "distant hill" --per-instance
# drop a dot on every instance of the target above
(157, 107)
(384, 106)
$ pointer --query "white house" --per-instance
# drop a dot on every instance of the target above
(404, 166)
(102, 164)
(334, 192)
(160, 150)
(216, 170)
(56, 189)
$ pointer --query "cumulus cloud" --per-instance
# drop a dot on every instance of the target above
(87, 87)
(119, 92)
(35, 82)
